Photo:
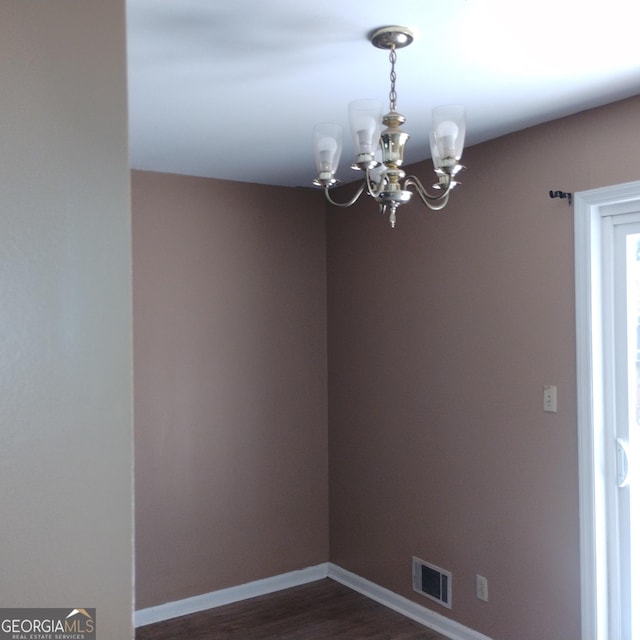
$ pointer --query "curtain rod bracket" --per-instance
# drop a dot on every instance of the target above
(561, 194)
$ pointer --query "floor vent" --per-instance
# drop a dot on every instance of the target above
(432, 582)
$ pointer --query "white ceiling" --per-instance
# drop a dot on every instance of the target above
(231, 89)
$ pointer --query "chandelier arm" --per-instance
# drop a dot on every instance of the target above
(434, 202)
(344, 204)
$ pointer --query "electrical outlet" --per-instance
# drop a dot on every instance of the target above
(482, 588)
(550, 398)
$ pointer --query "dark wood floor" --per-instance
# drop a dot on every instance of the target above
(316, 611)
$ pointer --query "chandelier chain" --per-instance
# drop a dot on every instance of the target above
(393, 96)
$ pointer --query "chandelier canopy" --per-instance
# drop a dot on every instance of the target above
(379, 144)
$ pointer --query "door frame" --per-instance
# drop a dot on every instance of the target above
(592, 228)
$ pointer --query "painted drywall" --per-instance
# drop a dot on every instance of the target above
(230, 384)
(65, 339)
(442, 333)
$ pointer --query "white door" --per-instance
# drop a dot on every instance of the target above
(607, 320)
(625, 426)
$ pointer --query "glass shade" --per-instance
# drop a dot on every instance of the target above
(449, 127)
(435, 152)
(327, 147)
(365, 119)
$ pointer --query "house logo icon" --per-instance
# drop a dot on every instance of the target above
(83, 612)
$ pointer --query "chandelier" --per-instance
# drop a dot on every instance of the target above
(385, 181)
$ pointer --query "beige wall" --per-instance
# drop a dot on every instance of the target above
(230, 381)
(442, 333)
(65, 338)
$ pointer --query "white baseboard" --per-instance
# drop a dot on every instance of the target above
(232, 594)
(406, 607)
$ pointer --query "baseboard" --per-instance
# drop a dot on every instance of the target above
(232, 594)
(406, 607)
